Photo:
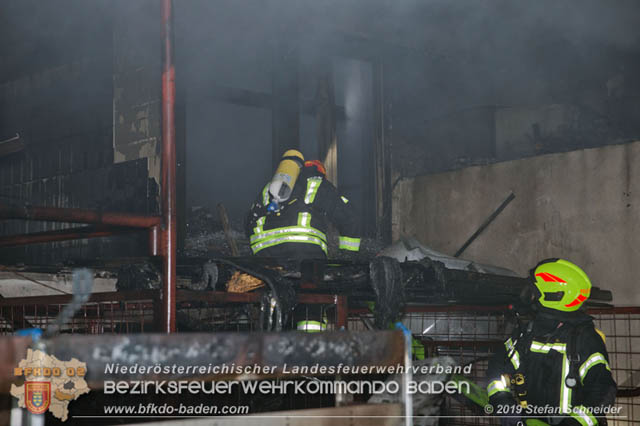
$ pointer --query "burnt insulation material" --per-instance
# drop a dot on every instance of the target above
(138, 276)
(278, 301)
(387, 283)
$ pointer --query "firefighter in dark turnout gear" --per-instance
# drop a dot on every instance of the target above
(297, 228)
(557, 366)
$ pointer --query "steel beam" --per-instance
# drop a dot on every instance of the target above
(64, 235)
(342, 307)
(214, 297)
(61, 299)
(169, 230)
(58, 214)
(382, 153)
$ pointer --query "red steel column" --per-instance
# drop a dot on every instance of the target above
(342, 311)
(168, 234)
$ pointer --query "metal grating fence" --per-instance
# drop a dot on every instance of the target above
(136, 312)
(469, 334)
(621, 327)
(105, 313)
(473, 333)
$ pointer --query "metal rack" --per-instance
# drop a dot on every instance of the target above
(465, 333)
(162, 229)
(139, 312)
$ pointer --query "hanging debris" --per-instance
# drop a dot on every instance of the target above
(204, 277)
(387, 283)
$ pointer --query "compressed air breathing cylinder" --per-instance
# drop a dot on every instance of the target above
(286, 175)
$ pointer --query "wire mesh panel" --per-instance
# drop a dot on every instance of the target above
(137, 312)
(621, 326)
(468, 334)
(215, 311)
(107, 313)
(471, 334)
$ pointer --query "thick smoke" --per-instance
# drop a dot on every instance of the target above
(441, 56)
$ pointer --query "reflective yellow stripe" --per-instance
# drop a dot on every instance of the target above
(313, 183)
(546, 347)
(497, 386)
(582, 415)
(508, 344)
(565, 391)
(344, 199)
(260, 224)
(515, 359)
(304, 219)
(347, 243)
(512, 353)
(289, 239)
(265, 195)
(311, 326)
(594, 359)
(293, 230)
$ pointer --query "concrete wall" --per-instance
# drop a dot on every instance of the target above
(526, 130)
(581, 205)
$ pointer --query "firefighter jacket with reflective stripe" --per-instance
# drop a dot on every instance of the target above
(534, 368)
(298, 229)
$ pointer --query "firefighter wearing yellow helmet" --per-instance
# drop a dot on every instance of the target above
(558, 360)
